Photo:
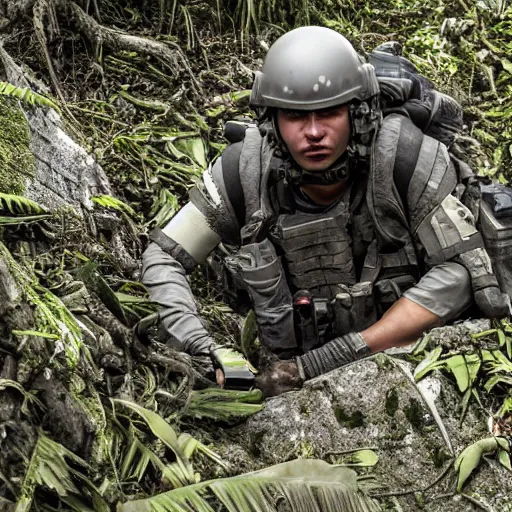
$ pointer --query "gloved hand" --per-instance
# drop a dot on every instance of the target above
(279, 377)
(334, 354)
(232, 370)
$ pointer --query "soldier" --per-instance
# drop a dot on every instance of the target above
(339, 223)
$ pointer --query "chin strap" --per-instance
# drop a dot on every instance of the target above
(295, 175)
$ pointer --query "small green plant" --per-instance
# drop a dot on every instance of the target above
(27, 95)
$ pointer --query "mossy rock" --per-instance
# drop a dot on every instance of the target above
(371, 404)
(17, 163)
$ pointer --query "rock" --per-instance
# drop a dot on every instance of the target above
(66, 419)
(38, 158)
(374, 403)
(66, 175)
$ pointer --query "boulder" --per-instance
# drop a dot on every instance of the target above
(38, 159)
(375, 403)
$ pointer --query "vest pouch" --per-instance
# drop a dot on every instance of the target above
(363, 306)
(354, 309)
(497, 235)
(388, 291)
(264, 279)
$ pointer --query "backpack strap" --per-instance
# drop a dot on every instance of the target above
(232, 182)
(406, 158)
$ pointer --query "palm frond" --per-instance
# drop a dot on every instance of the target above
(20, 210)
(115, 204)
(138, 457)
(48, 467)
(166, 434)
(27, 95)
(307, 485)
(19, 205)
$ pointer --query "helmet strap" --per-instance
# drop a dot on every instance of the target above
(295, 175)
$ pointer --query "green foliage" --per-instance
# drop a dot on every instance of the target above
(52, 317)
(20, 210)
(306, 484)
(223, 404)
(27, 96)
(114, 204)
(48, 467)
(166, 434)
(470, 457)
(483, 366)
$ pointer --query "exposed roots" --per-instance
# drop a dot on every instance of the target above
(172, 58)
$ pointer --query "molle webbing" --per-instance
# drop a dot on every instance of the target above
(316, 248)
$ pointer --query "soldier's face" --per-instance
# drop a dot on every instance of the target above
(315, 139)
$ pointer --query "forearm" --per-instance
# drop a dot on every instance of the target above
(441, 296)
(403, 323)
(168, 286)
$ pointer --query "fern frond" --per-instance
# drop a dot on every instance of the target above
(27, 95)
(19, 205)
(114, 204)
(307, 485)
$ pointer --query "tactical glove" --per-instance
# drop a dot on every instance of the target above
(238, 372)
(279, 377)
(334, 354)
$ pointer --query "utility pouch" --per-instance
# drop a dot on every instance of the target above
(354, 309)
(264, 279)
(497, 235)
(388, 291)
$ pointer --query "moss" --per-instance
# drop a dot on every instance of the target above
(353, 420)
(17, 163)
(391, 401)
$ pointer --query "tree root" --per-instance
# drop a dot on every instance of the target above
(44, 13)
(173, 59)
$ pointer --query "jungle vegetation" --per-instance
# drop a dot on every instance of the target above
(90, 418)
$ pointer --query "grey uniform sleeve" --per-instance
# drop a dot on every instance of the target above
(187, 240)
(168, 286)
(445, 291)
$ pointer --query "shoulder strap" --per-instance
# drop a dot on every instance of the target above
(406, 158)
(231, 175)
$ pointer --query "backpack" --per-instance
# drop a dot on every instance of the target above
(404, 91)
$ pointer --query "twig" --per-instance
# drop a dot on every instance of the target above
(475, 502)
(353, 450)
(413, 491)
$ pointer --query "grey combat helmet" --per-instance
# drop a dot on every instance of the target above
(311, 68)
